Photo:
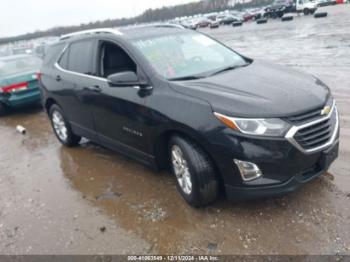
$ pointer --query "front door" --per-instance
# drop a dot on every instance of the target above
(120, 113)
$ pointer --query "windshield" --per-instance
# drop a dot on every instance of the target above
(187, 54)
(19, 65)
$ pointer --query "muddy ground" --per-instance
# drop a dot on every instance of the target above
(88, 200)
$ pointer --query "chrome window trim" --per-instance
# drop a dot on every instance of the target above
(291, 133)
(58, 67)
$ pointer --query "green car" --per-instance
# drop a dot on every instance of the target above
(18, 81)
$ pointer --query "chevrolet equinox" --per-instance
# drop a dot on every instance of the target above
(172, 97)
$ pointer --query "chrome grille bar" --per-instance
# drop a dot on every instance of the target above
(296, 138)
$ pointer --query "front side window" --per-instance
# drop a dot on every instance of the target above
(80, 58)
(186, 54)
(19, 65)
(113, 59)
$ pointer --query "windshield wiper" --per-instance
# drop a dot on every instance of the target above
(185, 78)
(228, 68)
(194, 77)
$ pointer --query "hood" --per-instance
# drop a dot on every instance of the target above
(259, 90)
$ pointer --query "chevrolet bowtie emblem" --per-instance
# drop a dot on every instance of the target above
(326, 110)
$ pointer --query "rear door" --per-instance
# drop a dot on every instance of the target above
(75, 71)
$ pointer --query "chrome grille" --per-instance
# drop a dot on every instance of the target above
(317, 134)
(306, 117)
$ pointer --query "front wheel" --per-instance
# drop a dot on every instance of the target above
(62, 128)
(194, 172)
(306, 11)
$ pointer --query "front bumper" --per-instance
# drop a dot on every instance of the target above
(245, 192)
(284, 166)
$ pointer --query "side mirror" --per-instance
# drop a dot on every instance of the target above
(124, 79)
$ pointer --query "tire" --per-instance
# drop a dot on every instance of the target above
(320, 14)
(306, 11)
(200, 170)
(237, 23)
(69, 139)
(3, 109)
(261, 21)
(287, 18)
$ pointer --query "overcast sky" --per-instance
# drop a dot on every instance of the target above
(23, 16)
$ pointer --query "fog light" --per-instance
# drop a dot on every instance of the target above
(249, 171)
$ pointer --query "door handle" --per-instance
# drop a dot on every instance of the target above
(96, 89)
(58, 78)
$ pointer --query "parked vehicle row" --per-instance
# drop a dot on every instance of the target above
(278, 9)
(213, 21)
(281, 7)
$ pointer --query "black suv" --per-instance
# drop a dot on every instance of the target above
(280, 7)
(172, 97)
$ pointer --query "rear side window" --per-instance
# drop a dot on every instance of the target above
(52, 54)
(80, 58)
(64, 59)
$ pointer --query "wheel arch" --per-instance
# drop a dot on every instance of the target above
(49, 102)
(161, 145)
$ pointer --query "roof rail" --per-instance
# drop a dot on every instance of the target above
(91, 31)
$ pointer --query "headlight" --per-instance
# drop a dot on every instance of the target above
(263, 127)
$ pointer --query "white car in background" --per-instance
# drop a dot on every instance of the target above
(306, 6)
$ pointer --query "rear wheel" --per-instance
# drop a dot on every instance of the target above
(194, 171)
(3, 109)
(306, 11)
(62, 128)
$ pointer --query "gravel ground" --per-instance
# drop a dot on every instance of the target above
(89, 200)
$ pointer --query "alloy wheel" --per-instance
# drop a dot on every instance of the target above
(59, 125)
(181, 169)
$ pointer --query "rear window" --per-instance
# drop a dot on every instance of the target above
(80, 57)
(19, 65)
